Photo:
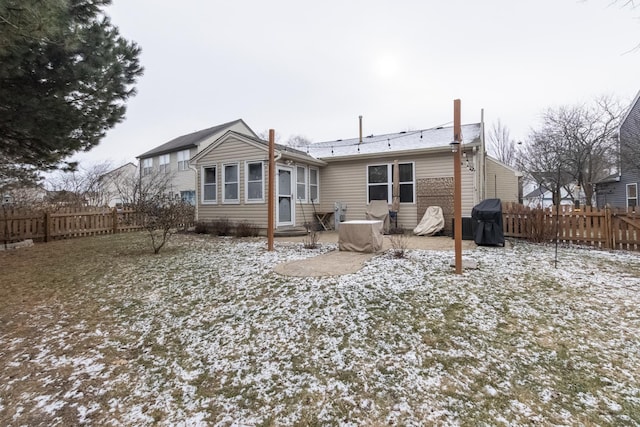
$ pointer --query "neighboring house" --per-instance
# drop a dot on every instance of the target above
(116, 187)
(620, 190)
(232, 174)
(502, 181)
(542, 197)
(174, 157)
(25, 196)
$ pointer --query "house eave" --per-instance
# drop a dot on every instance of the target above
(399, 153)
(301, 158)
(163, 152)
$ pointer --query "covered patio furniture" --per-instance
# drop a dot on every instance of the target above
(360, 236)
(378, 210)
(432, 222)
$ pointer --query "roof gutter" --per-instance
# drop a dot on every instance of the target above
(299, 157)
(377, 155)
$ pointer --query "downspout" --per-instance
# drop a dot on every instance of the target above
(193, 168)
(619, 155)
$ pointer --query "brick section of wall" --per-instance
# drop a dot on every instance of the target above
(436, 192)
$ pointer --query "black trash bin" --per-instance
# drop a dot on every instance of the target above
(488, 218)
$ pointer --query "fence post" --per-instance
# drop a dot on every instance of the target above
(610, 244)
(47, 226)
(114, 218)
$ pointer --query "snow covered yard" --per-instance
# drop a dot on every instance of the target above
(97, 331)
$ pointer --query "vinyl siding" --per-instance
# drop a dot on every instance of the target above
(614, 194)
(346, 182)
(232, 151)
(186, 180)
(182, 180)
(501, 182)
(236, 151)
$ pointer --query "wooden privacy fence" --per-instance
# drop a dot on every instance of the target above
(17, 225)
(602, 228)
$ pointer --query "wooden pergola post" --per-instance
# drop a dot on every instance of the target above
(457, 184)
(272, 193)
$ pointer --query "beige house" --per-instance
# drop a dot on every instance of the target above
(232, 174)
(174, 157)
(115, 188)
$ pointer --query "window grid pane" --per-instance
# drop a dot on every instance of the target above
(378, 174)
(231, 183)
(313, 185)
(254, 181)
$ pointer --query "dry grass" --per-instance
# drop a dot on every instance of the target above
(100, 330)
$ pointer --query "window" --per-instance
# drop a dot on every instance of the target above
(406, 182)
(164, 163)
(147, 167)
(255, 182)
(209, 184)
(632, 195)
(230, 183)
(380, 182)
(301, 181)
(313, 185)
(183, 160)
(188, 197)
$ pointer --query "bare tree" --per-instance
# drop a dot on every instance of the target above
(629, 139)
(542, 163)
(80, 187)
(264, 135)
(501, 145)
(576, 144)
(153, 186)
(298, 141)
(624, 3)
(163, 216)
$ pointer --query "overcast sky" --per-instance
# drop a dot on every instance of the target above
(311, 68)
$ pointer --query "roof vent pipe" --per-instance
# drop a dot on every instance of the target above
(360, 141)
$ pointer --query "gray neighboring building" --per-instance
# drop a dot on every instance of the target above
(174, 156)
(620, 190)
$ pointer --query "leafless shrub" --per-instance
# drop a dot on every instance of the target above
(310, 241)
(221, 227)
(396, 230)
(164, 216)
(245, 229)
(201, 228)
(399, 244)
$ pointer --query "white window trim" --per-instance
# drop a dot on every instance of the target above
(317, 184)
(224, 183)
(147, 166)
(184, 161)
(164, 167)
(202, 174)
(633, 184)
(390, 181)
(305, 184)
(246, 181)
(412, 182)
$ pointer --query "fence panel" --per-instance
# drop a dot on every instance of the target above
(601, 228)
(65, 223)
(626, 229)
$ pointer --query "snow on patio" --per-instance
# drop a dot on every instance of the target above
(210, 335)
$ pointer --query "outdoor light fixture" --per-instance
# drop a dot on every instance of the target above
(455, 145)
